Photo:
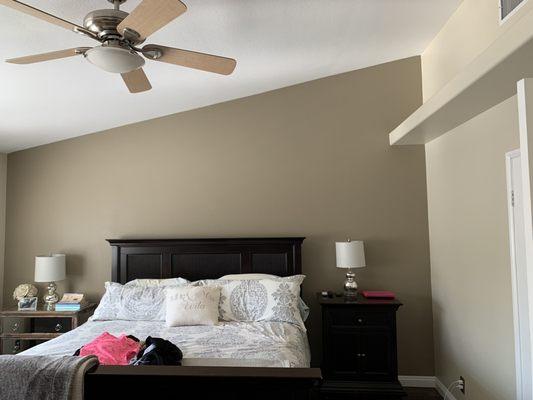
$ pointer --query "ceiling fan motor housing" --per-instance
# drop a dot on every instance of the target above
(104, 24)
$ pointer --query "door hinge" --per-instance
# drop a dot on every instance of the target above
(512, 198)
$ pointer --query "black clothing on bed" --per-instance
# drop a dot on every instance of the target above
(158, 351)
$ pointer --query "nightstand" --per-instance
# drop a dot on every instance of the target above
(20, 330)
(359, 353)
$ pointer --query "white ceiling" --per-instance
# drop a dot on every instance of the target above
(276, 43)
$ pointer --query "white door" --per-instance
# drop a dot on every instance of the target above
(519, 277)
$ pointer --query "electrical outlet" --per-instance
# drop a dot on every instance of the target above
(462, 383)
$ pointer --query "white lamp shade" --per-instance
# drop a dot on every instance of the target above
(350, 254)
(50, 268)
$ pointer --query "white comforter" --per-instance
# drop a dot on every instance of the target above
(233, 343)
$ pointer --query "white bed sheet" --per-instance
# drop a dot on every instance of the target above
(254, 343)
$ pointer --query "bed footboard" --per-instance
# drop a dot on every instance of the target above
(144, 382)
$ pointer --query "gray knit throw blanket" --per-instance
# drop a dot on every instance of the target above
(43, 377)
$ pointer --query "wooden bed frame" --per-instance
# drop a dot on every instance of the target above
(195, 259)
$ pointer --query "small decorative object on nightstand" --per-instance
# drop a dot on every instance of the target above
(359, 354)
(21, 330)
(27, 304)
(350, 255)
(25, 290)
(50, 269)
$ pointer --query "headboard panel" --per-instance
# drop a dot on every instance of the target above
(195, 259)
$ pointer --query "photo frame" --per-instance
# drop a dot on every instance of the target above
(27, 304)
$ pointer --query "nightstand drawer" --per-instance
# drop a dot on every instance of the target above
(358, 318)
(52, 325)
(15, 325)
(14, 346)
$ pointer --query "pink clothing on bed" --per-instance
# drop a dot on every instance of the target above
(112, 350)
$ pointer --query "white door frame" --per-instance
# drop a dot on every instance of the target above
(519, 292)
(525, 121)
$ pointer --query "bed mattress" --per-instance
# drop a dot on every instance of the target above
(275, 344)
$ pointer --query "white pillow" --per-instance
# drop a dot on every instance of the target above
(192, 305)
(304, 308)
(135, 303)
(259, 299)
(158, 282)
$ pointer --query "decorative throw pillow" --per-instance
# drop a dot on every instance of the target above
(158, 282)
(135, 303)
(302, 307)
(273, 299)
(192, 305)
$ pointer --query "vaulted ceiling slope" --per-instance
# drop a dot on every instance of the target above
(276, 43)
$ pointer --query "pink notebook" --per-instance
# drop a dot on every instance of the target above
(378, 294)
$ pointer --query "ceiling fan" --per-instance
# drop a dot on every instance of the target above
(120, 34)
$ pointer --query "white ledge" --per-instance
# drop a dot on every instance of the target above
(487, 81)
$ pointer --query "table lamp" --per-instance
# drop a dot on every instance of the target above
(50, 269)
(350, 254)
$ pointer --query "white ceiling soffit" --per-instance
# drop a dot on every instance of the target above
(276, 43)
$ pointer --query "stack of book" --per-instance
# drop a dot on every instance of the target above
(71, 302)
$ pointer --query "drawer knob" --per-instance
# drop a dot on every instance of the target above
(58, 327)
(16, 347)
(15, 326)
(360, 320)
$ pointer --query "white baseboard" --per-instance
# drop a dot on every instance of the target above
(417, 381)
(426, 382)
(443, 390)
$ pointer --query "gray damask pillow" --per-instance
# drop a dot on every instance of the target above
(302, 307)
(271, 299)
(108, 307)
(134, 303)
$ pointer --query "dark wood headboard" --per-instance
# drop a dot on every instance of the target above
(195, 259)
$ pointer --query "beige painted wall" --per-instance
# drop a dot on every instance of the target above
(311, 159)
(470, 262)
(3, 182)
(471, 29)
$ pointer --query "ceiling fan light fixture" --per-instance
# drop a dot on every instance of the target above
(114, 59)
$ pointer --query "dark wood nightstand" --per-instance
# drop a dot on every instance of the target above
(20, 330)
(359, 356)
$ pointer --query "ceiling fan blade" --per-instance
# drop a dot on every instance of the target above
(191, 59)
(34, 12)
(53, 55)
(136, 81)
(151, 15)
